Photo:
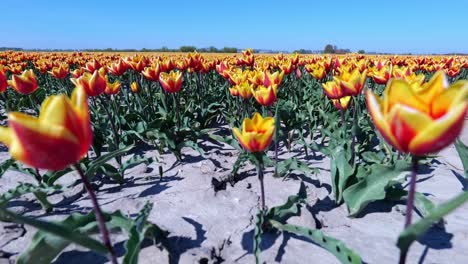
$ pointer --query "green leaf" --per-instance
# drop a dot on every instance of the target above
(97, 163)
(412, 232)
(135, 161)
(341, 172)
(137, 235)
(6, 165)
(332, 245)
(24, 188)
(51, 177)
(259, 220)
(371, 187)
(53, 237)
(228, 140)
(462, 150)
(290, 208)
(192, 145)
(291, 164)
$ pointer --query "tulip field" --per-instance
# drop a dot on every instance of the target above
(232, 158)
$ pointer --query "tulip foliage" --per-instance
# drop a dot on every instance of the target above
(373, 118)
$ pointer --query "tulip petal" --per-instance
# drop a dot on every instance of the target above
(457, 93)
(374, 105)
(441, 132)
(405, 123)
(399, 91)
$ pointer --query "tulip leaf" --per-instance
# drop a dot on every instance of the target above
(259, 221)
(46, 245)
(53, 237)
(290, 208)
(94, 165)
(291, 164)
(25, 188)
(137, 234)
(332, 245)
(412, 232)
(341, 173)
(372, 186)
(227, 140)
(462, 150)
(5, 166)
(51, 177)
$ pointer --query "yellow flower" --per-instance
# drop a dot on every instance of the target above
(256, 134)
(420, 119)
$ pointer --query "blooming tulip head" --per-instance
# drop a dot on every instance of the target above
(256, 134)
(118, 68)
(333, 90)
(265, 96)
(134, 87)
(152, 73)
(353, 82)
(420, 119)
(342, 103)
(60, 72)
(171, 82)
(25, 83)
(245, 90)
(3, 81)
(59, 137)
(112, 88)
(94, 84)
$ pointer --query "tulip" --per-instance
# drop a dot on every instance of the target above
(77, 73)
(118, 68)
(234, 91)
(59, 137)
(152, 73)
(333, 90)
(351, 83)
(317, 71)
(135, 87)
(112, 88)
(272, 78)
(382, 75)
(94, 84)
(171, 82)
(92, 66)
(25, 83)
(342, 103)
(265, 96)
(60, 72)
(420, 119)
(245, 90)
(3, 81)
(257, 133)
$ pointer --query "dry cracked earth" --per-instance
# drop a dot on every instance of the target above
(215, 225)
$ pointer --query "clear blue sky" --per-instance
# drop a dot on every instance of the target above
(384, 26)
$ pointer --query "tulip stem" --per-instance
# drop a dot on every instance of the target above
(99, 216)
(177, 103)
(260, 178)
(410, 203)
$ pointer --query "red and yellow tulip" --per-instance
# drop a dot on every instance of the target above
(94, 84)
(265, 96)
(25, 83)
(59, 137)
(257, 133)
(352, 82)
(420, 119)
(171, 82)
(60, 72)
